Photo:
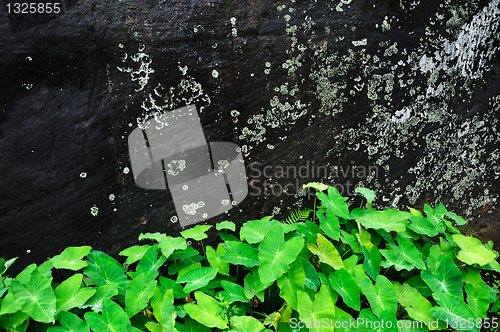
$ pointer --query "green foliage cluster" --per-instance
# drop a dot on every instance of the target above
(349, 270)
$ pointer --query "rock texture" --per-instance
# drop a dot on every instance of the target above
(401, 96)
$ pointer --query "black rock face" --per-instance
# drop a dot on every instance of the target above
(399, 96)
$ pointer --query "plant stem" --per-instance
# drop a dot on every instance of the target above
(314, 211)
(204, 253)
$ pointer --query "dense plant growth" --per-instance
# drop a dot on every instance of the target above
(346, 270)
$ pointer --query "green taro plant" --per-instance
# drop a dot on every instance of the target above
(359, 269)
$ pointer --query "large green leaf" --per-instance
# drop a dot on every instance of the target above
(335, 203)
(232, 292)
(168, 283)
(326, 252)
(408, 250)
(134, 253)
(473, 251)
(105, 270)
(388, 220)
(291, 283)
(206, 311)
(69, 323)
(246, 324)
(138, 294)
(17, 321)
(214, 258)
(253, 287)
(329, 224)
(393, 258)
(254, 231)
(364, 237)
(372, 261)
(196, 233)
(311, 275)
(350, 240)
(315, 311)
(197, 278)
(447, 279)
(423, 226)
(226, 225)
(167, 310)
(113, 319)
(417, 306)
(150, 263)
(169, 244)
(435, 217)
(368, 194)
(342, 282)
(382, 296)
(239, 253)
(69, 294)
(454, 311)
(478, 299)
(275, 255)
(71, 258)
(36, 297)
(102, 293)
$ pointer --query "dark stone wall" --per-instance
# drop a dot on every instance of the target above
(405, 89)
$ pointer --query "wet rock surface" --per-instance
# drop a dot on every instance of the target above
(402, 96)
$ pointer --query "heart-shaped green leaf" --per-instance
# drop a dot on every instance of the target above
(315, 311)
(196, 233)
(372, 261)
(69, 323)
(335, 203)
(276, 255)
(382, 296)
(423, 226)
(435, 217)
(479, 299)
(311, 275)
(214, 258)
(134, 253)
(69, 294)
(226, 225)
(417, 306)
(291, 283)
(453, 310)
(408, 250)
(393, 258)
(138, 294)
(206, 311)
(197, 278)
(326, 252)
(239, 253)
(388, 220)
(232, 292)
(36, 297)
(150, 263)
(246, 324)
(329, 224)
(71, 258)
(254, 231)
(473, 251)
(169, 244)
(447, 279)
(113, 319)
(102, 293)
(342, 282)
(106, 270)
